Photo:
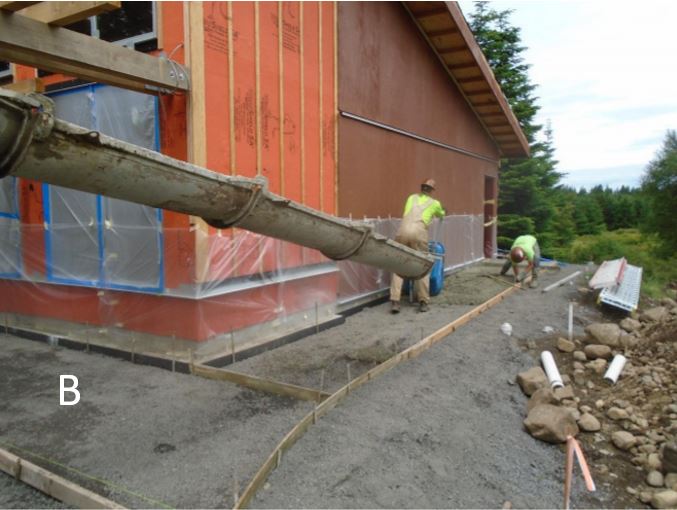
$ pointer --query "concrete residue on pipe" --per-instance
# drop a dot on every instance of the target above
(68, 155)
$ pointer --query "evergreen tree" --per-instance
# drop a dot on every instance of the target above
(527, 186)
(659, 185)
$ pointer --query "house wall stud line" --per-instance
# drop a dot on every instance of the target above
(231, 90)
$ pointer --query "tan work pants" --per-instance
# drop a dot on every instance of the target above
(418, 240)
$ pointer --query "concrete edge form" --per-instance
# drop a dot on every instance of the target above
(51, 484)
(275, 458)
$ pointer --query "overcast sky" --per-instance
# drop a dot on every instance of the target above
(607, 80)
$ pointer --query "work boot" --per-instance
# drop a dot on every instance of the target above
(394, 307)
(533, 283)
(506, 266)
(423, 306)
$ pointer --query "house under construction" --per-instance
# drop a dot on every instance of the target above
(332, 109)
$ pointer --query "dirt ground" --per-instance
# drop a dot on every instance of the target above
(442, 430)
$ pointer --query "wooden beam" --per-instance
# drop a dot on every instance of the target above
(428, 13)
(51, 484)
(27, 86)
(29, 42)
(452, 49)
(443, 31)
(257, 383)
(476, 93)
(65, 13)
(460, 67)
(471, 80)
(16, 6)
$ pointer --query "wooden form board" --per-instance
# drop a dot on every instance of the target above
(329, 403)
(258, 383)
(65, 13)
(51, 484)
(26, 86)
(32, 43)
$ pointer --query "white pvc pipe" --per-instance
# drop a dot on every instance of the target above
(615, 368)
(551, 370)
(562, 281)
(571, 322)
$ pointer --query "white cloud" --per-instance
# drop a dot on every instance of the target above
(606, 79)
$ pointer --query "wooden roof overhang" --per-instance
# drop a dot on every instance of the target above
(444, 27)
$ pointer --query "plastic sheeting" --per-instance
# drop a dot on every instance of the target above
(461, 235)
(213, 284)
(106, 267)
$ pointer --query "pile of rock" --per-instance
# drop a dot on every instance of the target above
(638, 415)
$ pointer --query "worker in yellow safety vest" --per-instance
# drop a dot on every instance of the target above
(419, 212)
(524, 247)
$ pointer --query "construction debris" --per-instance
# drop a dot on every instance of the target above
(631, 425)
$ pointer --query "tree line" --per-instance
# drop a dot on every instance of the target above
(532, 199)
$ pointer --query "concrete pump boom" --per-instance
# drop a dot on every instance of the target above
(36, 145)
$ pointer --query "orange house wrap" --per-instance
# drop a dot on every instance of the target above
(341, 107)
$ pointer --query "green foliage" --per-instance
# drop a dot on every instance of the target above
(531, 201)
(511, 226)
(659, 186)
(527, 186)
(639, 250)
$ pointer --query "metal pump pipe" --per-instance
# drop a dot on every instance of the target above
(36, 145)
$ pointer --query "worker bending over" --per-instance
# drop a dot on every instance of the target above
(524, 247)
(419, 212)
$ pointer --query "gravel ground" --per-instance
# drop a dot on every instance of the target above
(442, 430)
(157, 438)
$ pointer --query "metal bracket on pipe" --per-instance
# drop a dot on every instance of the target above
(257, 191)
(353, 250)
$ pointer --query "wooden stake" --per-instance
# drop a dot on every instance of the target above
(133, 349)
(322, 380)
(173, 353)
(232, 345)
(317, 319)
(191, 362)
(349, 377)
(236, 490)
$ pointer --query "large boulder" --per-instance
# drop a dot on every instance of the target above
(541, 396)
(656, 314)
(604, 333)
(550, 423)
(595, 351)
(630, 325)
(664, 499)
(532, 380)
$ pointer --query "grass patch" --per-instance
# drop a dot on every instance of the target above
(659, 277)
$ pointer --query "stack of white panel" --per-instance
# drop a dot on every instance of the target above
(624, 295)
